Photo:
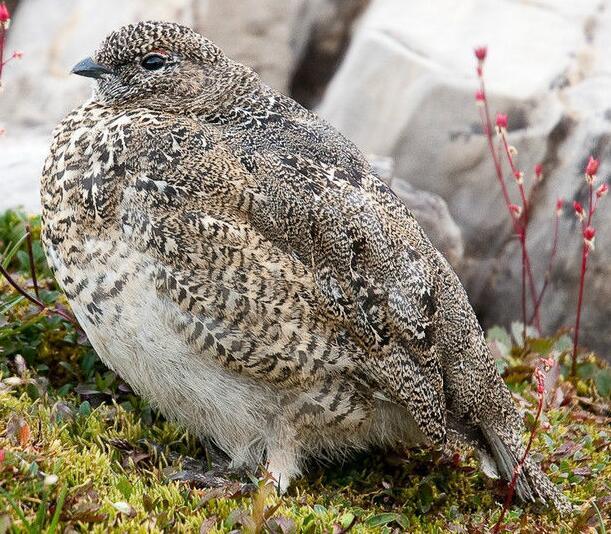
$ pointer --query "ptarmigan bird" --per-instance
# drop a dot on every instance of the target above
(236, 260)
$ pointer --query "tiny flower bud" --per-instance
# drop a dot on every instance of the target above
(519, 176)
(602, 190)
(480, 96)
(17, 54)
(513, 150)
(592, 166)
(501, 120)
(480, 53)
(538, 171)
(545, 426)
(479, 70)
(578, 210)
(588, 237)
(547, 363)
(516, 210)
(540, 378)
(5, 16)
(559, 206)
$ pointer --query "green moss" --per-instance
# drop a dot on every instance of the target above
(66, 416)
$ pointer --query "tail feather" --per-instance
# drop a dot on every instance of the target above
(532, 484)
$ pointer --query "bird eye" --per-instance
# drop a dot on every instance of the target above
(153, 62)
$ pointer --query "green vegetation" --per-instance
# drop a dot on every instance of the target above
(80, 453)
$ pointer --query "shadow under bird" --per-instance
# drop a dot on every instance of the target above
(239, 264)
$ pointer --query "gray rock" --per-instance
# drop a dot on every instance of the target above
(253, 32)
(20, 166)
(320, 33)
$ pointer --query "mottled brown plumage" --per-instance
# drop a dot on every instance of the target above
(236, 260)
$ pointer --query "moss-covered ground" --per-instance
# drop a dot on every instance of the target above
(80, 453)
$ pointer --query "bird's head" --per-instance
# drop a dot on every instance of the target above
(163, 66)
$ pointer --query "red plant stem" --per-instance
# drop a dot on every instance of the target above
(2, 39)
(585, 250)
(519, 466)
(584, 264)
(487, 126)
(514, 171)
(37, 302)
(548, 271)
(28, 240)
(520, 230)
(531, 284)
(4, 63)
(522, 239)
(525, 257)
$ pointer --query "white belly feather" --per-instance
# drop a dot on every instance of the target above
(140, 345)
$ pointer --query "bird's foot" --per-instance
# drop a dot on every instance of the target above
(202, 475)
(214, 478)
(214, 470)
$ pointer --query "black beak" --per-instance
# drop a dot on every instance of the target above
(90, 68)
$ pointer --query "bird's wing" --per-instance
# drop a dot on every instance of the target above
(310, 238)
(375, 271)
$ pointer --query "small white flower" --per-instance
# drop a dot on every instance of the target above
(123, 507)
(13, 381)
(50, 480)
